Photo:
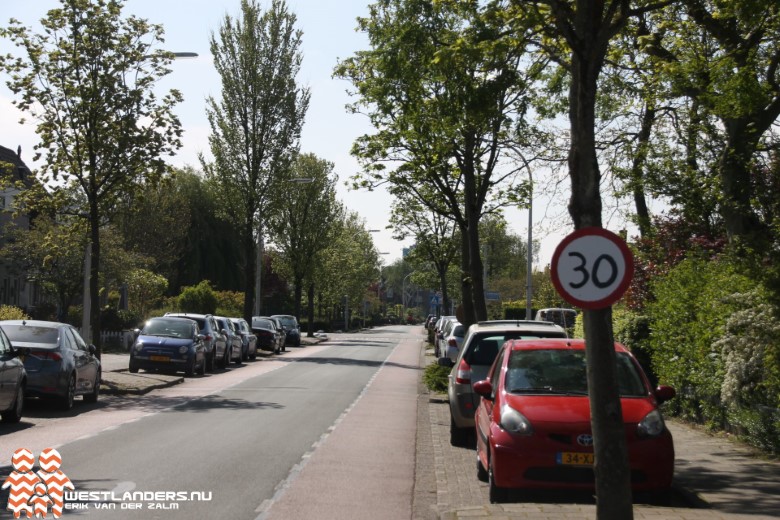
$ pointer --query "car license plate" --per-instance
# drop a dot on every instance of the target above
(160, 358)
(573, 458)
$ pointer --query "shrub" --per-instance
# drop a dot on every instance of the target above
(198, 299)
(8, 312)
(688, 317)
(230, 303)
(435, 378)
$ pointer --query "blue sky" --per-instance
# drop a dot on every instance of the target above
(328, 35)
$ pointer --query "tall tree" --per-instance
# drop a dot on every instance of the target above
(577, 35)
(445, 100)
(303, 226)
(256, 126)
(89, 80)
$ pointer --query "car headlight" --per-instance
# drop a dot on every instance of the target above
(139, 347)
(652, 425)
(184, 349)
(514, 421)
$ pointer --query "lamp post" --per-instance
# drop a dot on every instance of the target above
(529, 261)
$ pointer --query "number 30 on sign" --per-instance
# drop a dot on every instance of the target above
(592, 268)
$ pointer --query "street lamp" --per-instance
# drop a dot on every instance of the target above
(403, 289)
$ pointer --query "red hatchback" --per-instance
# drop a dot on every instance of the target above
(533, 421)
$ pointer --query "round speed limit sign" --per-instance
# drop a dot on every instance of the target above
(592, 268)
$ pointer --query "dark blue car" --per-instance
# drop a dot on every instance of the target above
(169, 344)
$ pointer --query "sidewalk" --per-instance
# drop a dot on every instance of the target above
(715, 478)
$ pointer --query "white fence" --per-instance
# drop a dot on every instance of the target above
(116, 340)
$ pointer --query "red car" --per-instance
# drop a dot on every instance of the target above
(533, 421)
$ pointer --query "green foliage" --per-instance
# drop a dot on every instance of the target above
(688, 317)
(9, 312)
(230, 303)
(633, 331)
(435, 378)
(145, 289)
(199, 299)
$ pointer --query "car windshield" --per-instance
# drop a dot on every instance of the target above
(558, 371)
(167, 328)
(30, 334)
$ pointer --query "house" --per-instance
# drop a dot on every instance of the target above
(15, 289)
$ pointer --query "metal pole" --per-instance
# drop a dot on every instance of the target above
(259, 271)
(86, 308)
(529, 267)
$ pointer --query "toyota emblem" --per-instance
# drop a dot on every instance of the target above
(585, 439)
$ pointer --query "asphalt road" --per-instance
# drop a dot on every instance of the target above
(226, 442)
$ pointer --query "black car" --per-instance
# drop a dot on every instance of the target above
(267, 335)
(292, 329)
(172, 344)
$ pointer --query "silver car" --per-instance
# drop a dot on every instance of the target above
(234, 351)
(60, 364)
(480, 347)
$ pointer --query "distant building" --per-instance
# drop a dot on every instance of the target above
(15, 289)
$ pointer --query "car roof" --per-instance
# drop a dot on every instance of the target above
(513, 325)
(35, 323)
(187, 315)
(553, 343)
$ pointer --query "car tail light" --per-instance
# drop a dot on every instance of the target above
(53, 356)
(208, 337)
(463, 375)
(452, 343)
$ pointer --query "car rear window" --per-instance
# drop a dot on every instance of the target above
(483, 348)
(263, 324)
(30, 334)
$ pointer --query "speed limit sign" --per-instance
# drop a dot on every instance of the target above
(592, 268)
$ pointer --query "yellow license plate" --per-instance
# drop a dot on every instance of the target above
(160, 358)
(573, 458)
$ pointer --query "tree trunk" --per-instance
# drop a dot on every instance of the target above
(298, 295)
(637, 174)
(94, 277)
(613, 479)
(472, 210)
(466, 294)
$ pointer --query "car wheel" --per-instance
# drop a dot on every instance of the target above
(210, 360)
(497, 494)
(482, 473)
(240, 357)
(133, 367)
(189, 367)
(458, 436)
(202, 370)
(254, 354)
(14, 415)
(66, 401)
(93, 396)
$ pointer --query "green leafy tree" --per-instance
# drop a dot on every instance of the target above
(145, 290)
(304, 224)
(445, 95)
(89, 79)
(198, 299)
(255, 127)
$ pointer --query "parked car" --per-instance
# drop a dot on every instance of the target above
(291, 328)
(269, 337)
(437, 331)
(480, 347)
(533, 423)
(13, 379)
(216, 342)
(169, 343)
(281, 333)
(234, 350)
(248, 340)
(563, 317)
(60, 364)
(452, 339)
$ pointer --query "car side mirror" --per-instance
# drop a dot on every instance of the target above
(484, 388)
(445, 362)
(91, 348)
(664, 393)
